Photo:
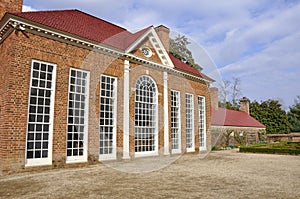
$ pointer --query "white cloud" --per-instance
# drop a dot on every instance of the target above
(27, 8)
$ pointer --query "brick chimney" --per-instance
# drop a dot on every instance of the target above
(10, 6)
(214, 98)
(244, 105)
(164, 34)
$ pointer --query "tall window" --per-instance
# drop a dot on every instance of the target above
(108, 117)
(175, 122)
(77, 115)
(146, 116)
(202, 125)
(190, 122)
(40, 114)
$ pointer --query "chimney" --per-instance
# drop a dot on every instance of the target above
(164, 34)
(10, 6)
(214, 98)
(244, 105)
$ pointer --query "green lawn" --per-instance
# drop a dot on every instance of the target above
(273, 148)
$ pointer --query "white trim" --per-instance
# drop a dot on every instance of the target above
(192, 149)
(155, 151)
(176, 151)
(146, 153)
(48, 160)
(204, 148)
(113, 155)
(83, 158)
(166, 116)
(159, 48)
(126, 114)
(92, 45)
(138, 41)
(54, 34)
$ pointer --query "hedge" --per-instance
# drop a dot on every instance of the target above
(273, 149)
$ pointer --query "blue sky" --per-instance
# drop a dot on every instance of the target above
(256, 41)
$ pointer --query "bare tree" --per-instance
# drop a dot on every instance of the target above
(230, 93)
(236, 92)
(224, 92)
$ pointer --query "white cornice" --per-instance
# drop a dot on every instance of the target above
(156, 43)
(11, 23)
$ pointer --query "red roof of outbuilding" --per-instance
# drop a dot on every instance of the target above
(227, 117)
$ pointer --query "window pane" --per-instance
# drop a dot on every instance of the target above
(175, 119)
(189, 121)
(145, 109)
(76, 112)
(201, 107)
(39, 114)
(107, 114)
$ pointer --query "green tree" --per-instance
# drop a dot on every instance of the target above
(179, 49)
(294, 115)
(271, 114)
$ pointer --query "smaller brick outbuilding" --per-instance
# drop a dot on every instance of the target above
(240, 121)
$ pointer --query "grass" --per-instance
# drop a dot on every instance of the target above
(292, 148)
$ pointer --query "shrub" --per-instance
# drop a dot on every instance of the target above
(270, 150)
(214, 148)
(274, 148)
(241, 139)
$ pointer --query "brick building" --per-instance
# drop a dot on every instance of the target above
(223, 119)
(76, 88)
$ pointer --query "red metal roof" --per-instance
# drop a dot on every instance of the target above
(227, 117)
(179, 65)
(92, 28)
(84, 25)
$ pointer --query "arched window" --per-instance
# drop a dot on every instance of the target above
(146, 115)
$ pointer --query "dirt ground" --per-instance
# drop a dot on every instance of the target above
(221, 174)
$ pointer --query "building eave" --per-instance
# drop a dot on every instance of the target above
(239, 127)
(10, 21)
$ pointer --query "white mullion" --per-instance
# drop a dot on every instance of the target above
(190, 144)
(146, 137)
(46, 128)
(108, 152)
(202, 123)
(175, 122)
(81, 152)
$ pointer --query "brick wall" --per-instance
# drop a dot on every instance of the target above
(185, 85)
(18, 52)
(10, 6)
(217, 132)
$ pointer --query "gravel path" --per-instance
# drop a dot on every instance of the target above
(221, 174)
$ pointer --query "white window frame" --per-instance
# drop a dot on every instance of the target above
(155, 120)
(47, 160)
(176, 150)
(113, 154)
(79, 158)
(190, 119)
(202, 119)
